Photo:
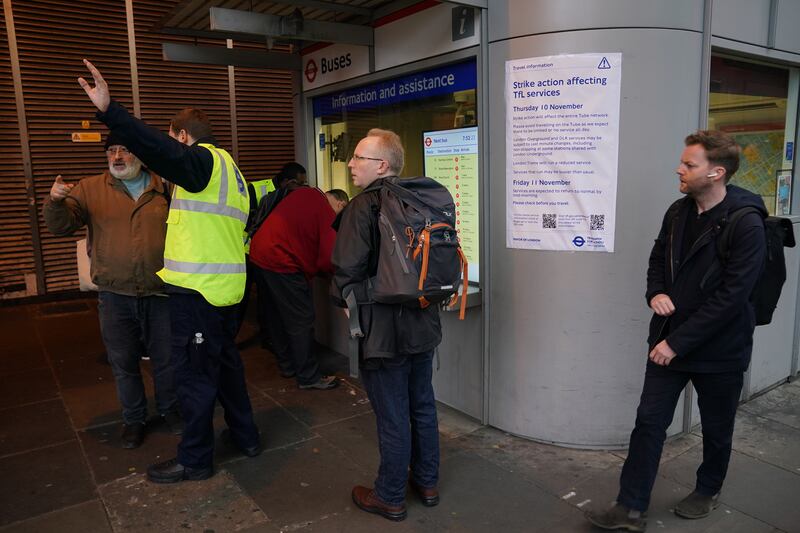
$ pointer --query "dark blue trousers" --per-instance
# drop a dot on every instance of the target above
(208, 368)
(401, 394)
(291, 325)
(133, 326)
(717, 396)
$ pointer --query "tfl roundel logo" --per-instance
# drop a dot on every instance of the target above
(578, 241)
(311, 71)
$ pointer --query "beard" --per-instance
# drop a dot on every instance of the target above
(130, 171)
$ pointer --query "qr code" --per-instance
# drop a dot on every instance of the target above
(549, 221)
(597, 222)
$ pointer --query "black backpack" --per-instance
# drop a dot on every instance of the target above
(767, 290)
(420, 261)
(258, 215)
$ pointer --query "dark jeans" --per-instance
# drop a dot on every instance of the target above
(401, 395)
(132, 327)
(291, 327)
(717, 397)
(208, 368)
(262, 313)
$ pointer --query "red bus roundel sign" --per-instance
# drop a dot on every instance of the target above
(311, 71)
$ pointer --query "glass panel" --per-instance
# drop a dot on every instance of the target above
(339, 130)
(749, 101)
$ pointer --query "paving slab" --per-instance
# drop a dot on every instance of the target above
(299, 484)
(110, 461)
(354, 520)
(21, 344)
(318, 407)
(33, 426)
(768, 441)
(70, 335)
(43, 480)
(357, 438)
(216, 504)
(673, 447)
(754, 487)
(89, 517)
(92, 405)
(278, 428)
(82, 370)
(453, 424)
(477, 495)
(555, 469)
(599, 492)
(27, 386)
(781, 404)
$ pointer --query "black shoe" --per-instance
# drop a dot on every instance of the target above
(132, 435)
(323, 383)
(618, 517)
(697, 505)
(174, 422)
(172, 472)
(252, 451)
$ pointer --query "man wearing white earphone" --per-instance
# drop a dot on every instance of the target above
(701, 330)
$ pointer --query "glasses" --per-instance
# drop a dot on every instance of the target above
(121, 149)
(362, 158)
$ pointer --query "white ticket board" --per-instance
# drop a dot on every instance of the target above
(451, 158)
(562, 143)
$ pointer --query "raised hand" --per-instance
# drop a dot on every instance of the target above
(99, 93)
(60, 190)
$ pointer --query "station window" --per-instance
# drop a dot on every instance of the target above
(435, 105)
(757, 104)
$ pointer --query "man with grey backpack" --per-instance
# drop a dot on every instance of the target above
(397, 340)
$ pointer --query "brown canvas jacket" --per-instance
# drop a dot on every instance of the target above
(126, 237)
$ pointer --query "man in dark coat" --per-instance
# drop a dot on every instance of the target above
(701, 330)
(396, 352)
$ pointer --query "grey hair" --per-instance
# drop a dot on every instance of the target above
(391, 147)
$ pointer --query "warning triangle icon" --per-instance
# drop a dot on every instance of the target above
(604, 64)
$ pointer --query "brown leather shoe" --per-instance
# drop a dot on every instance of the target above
(429, 496)
(366, 500)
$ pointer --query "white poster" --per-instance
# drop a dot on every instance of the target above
(562, 142)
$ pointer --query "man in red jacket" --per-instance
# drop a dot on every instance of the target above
(293, 245)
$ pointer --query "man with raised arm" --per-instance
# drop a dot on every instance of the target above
(204, 270)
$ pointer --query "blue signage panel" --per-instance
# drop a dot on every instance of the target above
(442, 80)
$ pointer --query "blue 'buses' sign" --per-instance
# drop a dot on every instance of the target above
(441, 80)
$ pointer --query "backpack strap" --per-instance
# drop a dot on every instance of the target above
(724, 239)
(728, 223)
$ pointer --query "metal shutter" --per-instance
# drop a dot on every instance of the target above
(53, 37)
(166, 87)
(264, 118)
(16, 236)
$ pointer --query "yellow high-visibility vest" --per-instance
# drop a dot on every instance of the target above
(262, 188)
(204, 248)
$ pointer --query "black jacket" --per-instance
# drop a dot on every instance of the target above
(389, 330)
(187, 166)
(711, 329)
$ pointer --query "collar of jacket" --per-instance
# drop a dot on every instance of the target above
(678, 226)
(156, 182)
(208, 139)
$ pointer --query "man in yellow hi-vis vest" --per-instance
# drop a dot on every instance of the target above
(204, 271)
